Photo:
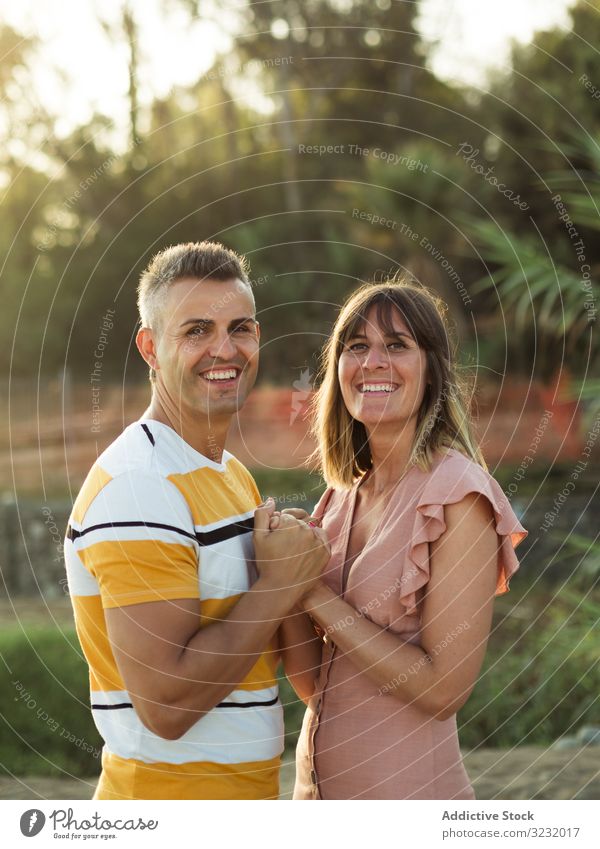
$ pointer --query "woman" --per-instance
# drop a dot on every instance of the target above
(422, 539)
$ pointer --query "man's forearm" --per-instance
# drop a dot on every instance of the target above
(219, 656)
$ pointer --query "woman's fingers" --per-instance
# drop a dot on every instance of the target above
(297, 513)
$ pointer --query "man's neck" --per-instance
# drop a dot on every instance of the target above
(207, 436)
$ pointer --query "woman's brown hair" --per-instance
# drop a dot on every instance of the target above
(443, 420)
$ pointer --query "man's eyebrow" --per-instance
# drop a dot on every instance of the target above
(196, 321)
(207, 322)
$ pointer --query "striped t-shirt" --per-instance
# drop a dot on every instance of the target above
(157, 520)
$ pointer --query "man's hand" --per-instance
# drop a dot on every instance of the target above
(292, 556)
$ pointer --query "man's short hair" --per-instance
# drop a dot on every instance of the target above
(196, 260)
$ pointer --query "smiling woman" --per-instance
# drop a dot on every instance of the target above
(421, 540)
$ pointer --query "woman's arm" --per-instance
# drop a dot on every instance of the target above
(300, 650)
(438, 675)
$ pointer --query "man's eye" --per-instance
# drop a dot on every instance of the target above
(242, 328)
(198, 330)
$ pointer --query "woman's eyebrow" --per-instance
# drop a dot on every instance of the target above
(395, 333)
(390, 335)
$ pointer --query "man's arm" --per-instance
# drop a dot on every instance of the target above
(175, 671)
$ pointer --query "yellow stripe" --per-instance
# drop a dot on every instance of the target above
(95, 481)
(136, 571)
(91, 630)
(131, 779)
(263, 673)
(213, 495)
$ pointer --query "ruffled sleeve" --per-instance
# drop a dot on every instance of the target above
(451, 481)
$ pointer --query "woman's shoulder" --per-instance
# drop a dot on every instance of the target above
(452, 468)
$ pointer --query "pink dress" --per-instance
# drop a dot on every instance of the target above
(359, 743)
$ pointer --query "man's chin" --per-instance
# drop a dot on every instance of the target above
(226, 406)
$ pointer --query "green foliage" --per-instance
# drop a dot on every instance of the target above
(47, 726)
(289, 487)
(541, 675)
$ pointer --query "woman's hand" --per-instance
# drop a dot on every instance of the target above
(297, 513)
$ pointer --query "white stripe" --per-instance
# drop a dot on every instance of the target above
(109, 697)
(79, 579)
(225, 567)
(224, 735)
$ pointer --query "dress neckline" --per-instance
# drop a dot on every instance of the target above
(349, 523)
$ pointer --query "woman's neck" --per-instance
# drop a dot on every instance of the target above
(390, 453)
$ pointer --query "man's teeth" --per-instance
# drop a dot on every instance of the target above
(220, 375)
(377, 387)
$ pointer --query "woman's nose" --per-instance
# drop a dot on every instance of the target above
(376, 357)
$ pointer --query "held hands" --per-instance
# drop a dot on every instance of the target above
(290, 554)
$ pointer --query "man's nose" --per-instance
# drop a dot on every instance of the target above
(222, 347)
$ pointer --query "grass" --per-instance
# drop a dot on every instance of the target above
(47, 728)
(540, 680)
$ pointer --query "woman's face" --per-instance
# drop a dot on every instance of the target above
(382, 377)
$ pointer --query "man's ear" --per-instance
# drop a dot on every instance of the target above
(146, 345)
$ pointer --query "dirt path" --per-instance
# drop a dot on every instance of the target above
(527, 772)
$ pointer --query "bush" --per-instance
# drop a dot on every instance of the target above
(540, 680)
(541, 677)
(44, 705)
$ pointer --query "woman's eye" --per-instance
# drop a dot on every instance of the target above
(394, 346)
(357, 346)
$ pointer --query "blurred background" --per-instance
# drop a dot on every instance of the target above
(331, 142)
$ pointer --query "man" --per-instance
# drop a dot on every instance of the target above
(176, 609)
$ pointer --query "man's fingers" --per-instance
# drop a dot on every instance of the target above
(322, 536)
(262, 515)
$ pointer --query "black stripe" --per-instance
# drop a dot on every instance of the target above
(220, 705)
(72, 534)
(148, 433)
(202, 538)
(226, 532)
(247, 704)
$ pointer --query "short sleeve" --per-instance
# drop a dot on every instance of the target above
(450, 483)
(137, 540)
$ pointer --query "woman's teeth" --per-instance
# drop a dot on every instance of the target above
(377, 387)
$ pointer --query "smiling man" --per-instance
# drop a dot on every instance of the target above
(179, 588)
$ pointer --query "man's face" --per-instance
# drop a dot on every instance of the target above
(207, 348)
